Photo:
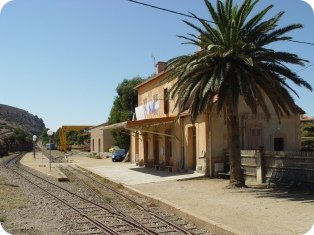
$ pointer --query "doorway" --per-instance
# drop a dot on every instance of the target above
(156, 149)
(168, 148)
(191, 148)
(136, 147)
(145, 142)
(278, 144)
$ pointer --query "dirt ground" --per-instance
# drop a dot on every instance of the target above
(246, 211)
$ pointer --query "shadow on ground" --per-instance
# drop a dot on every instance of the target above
(152, 171)
(293, 194)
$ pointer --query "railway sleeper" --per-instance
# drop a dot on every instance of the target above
(86, 229)
(126, 229)
(133, 233)
(157, 226)
(90, 233)
(165, 230)
(151, 222)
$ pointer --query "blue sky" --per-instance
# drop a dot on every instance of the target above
(62, 59)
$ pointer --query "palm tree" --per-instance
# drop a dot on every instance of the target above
(234, 61)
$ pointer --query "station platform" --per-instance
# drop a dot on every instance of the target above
(41, 163)
(207, 202)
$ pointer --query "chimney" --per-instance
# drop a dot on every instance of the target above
(161, 66)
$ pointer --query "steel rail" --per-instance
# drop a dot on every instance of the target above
(185, 231)
(147, 229)
(94, 221)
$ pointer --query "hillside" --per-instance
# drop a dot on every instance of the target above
(12, 118)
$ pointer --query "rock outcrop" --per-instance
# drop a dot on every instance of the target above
(12, 118)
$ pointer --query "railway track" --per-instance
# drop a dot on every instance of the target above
(148, 214)
(121, 215)
(92, 218)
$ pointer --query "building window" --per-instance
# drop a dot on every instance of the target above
(278, 144)
(93, 145)
(166, 101)
(255, 138)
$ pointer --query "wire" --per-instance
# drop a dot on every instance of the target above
(308, 43)
(167, 10)
(304, 68)
(194, 17)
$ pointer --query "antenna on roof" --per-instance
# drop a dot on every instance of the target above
(154, 59)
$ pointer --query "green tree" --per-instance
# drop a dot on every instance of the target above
(307, 131)
(56, 137)
(76, 137)
(235, 61)
(122, 109)
(44, 136)
(19, 140)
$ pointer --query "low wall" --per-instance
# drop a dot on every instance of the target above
(259, 165)
(302, 162)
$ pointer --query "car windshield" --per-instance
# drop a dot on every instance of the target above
(119, 151)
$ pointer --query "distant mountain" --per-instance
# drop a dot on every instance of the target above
(12, 118)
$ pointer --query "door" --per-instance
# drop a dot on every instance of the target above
(191, 148)
(168, 148)
(136, 147)
(145, 140)
(156, 149)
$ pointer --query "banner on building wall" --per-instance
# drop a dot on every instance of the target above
(142, 111)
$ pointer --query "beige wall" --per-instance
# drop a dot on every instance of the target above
(155, 88)
(210, 132)
(195, 156)
(138, 156)
(101, 140)
(287, 128)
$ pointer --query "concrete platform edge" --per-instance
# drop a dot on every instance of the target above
(210, 225)
(56, 173)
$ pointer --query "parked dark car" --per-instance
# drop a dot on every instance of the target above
(118, 155)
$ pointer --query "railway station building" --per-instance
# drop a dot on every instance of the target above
(163, 139)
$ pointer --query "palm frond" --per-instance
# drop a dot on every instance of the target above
(235, 62)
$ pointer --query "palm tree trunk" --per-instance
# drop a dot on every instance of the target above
(233, 129)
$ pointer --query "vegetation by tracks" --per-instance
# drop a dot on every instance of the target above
(11, 196)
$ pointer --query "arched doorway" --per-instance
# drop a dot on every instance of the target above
(191, 148)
